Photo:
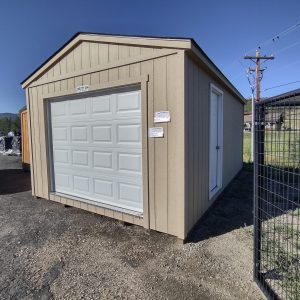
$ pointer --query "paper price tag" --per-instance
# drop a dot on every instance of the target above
(162, 116)
(156, 132)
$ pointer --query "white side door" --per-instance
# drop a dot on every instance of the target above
(215, 141)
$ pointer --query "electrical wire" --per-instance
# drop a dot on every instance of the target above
(277, 36)
(273, 87)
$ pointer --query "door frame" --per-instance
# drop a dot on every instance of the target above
(214, 89)
(140, 83)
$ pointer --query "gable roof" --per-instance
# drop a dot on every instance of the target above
(183, 43)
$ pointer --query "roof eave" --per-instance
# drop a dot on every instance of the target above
(214, 69)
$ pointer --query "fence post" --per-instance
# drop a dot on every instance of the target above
(259, 137)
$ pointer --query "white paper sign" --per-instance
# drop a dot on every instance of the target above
(162, 116)
(156, 132)
(82, 88)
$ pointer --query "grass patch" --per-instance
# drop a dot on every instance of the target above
(282, 148)
(247, 148)
(296, 212)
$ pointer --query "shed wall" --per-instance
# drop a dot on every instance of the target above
(197, 108)
(165, 92)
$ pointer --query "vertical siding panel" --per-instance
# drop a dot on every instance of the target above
(201, 146)
(63, 70)
(78, 62)
(94, 54)
(123, 54)
(206, 139)
(42, 143)
(78, 57)
(86, 59)
(36, 144)
(56, 72)
(134, 69)
(196, 143)
(103, 59)
(109, 213)
(33, 143)
(86, 62)
(95, 78)
(78, 81)
(51, 86)
(147, 69)
(175, 155)
(70, 68)
(29, 130)
(63, 66)
(113, 56)
(161, 146)
(128, 218)
(190, 144)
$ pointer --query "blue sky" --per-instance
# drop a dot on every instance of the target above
(32, 30)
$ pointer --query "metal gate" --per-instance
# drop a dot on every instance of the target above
(276, 196)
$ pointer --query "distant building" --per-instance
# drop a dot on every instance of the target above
(286, 116)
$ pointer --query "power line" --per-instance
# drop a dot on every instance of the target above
(277, 36)
(286, 48)
(273, 87)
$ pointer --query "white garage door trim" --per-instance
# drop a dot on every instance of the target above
(119, 112)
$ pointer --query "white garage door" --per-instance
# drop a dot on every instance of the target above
(97, 149)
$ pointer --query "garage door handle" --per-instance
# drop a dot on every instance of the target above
(218, 147)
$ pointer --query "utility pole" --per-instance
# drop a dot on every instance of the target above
(258, 76)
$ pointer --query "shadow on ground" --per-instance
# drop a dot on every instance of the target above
(233, 210)
(14, 181)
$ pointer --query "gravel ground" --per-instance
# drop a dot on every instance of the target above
(48, 251)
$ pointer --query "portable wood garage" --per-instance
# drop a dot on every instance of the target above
(146, 130)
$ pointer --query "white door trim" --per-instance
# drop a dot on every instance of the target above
(219, 93)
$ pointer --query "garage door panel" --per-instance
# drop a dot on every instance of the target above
(102, 134)
(58, 109)
(80, 158)
(129, 133)
(97, 149)
(62, 180)
(79, 107)
(128, 103)
(129, 192)
(79, 134)
(60, 134)
(61, 156)
(104, 188)
(129, 162)
(103, 160)
(81, 184)
(101, 105)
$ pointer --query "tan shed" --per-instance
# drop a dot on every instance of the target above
(146, 130)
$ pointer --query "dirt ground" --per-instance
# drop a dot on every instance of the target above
(48, 251)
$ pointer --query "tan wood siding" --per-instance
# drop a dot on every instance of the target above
(197, 83)
(164, 92)
(25, 138)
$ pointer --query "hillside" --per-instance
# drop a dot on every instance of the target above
(8, 115)
(8, 122)
(248, 106)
